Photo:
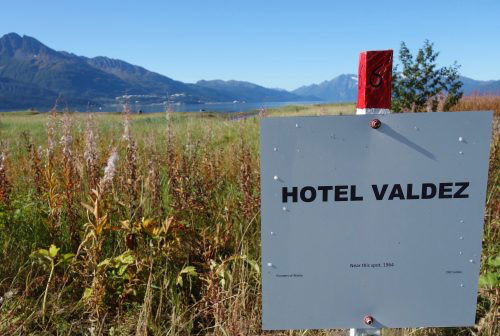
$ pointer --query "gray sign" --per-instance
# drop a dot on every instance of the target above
(384, 222)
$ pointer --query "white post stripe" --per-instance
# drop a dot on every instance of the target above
(372, 111)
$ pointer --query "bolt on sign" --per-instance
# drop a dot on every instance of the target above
(379, 223)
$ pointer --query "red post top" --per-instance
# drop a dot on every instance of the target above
(375, 80)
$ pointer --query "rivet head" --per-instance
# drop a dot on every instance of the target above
(471, 261)
(269, 264)
(296, 125)
(461, 238)
(275, 149)
(284, 208)
(368, 320)
(461, 153)
(273, 233)
(375, 123)
(460, 139)
(461, 285)
(275, 177)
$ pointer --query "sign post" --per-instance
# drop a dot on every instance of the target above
(374, 82)
(374, 97)
(372, 225)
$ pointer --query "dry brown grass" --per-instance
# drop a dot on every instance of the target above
(479, 103)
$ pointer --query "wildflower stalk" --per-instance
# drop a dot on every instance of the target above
(51, 185)
(169, 135)
(90, 153)
(44, 302)
(131, 178)
(35, 163)
(94, 229)
(153, 183)
(70, 178)
(4, 183)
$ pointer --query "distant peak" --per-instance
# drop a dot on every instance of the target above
(12, 36)
(16, 40)
(17, 37)
(11, 39)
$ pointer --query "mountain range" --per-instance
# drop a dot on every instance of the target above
(343, 88)
(34, 75)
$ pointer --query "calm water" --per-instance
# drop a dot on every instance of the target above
(211, 107)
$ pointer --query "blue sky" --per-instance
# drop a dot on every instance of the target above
(282, 44)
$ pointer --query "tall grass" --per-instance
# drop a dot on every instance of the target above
(479, 103)
(148, 225)
(129, 225)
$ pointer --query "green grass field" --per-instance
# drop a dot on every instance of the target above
(116, 224)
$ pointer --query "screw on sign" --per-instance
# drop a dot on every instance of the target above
(375, 123)
(368, 320)
(374, 82)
